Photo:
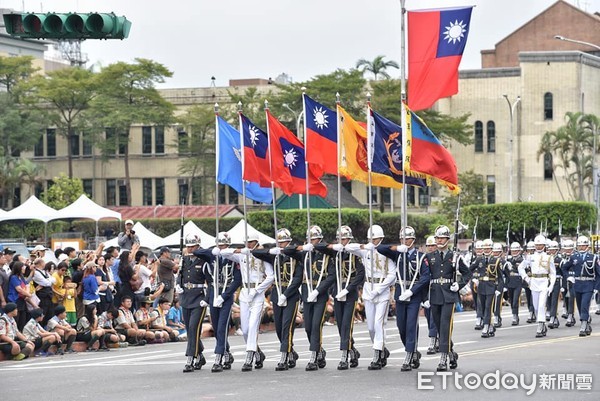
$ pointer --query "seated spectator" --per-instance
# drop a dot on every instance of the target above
(126, 324)
(88, 331)
(160, 323)
(175, 320)
(105, 322)
(144, 319)
(59, 324)
(69, 301)
(13, 343)
(42, 339)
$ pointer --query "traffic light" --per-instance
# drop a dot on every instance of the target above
(67, 26)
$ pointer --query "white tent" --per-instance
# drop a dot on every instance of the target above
(147, 238)
(237, 234)
(31, 209)
(85, 208)
(174, 239)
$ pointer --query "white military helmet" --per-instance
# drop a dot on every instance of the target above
(530, 245)
(583, 240)
(442, 232)
(344, 232)
(375, 231)
(430, 240)
(553, 245)
(515, 246)
(408, 232)
(568, 244)
(314, 232)
(479, 244)
(223, 238)
(497, 247)
(539, 240)
(252, 236)
(192, 240)
(284, 235)
(487, 243)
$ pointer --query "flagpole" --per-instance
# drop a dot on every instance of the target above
(239, 106)
(309, 270)
(370, 194)
(215, 266)
(277, 286)
(404, 192)
(338, 270)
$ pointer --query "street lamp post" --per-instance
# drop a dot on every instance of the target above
(511, 109)
(581, 42)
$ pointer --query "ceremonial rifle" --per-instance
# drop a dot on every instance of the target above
(455, 249)
(473, 253)
(508, 239)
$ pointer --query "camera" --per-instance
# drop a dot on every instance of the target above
(132, 232)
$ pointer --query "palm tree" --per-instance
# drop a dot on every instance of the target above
(377, 67)
(29, 173)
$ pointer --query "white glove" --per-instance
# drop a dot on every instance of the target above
(218, 302)
(377, 291)
(549, 292)
(505, 290)
(216, 251)
(252, 294)
(497, 293)
(245, 251)
(405, 295)
(308, 247)
(337, 247)
(402, 248)
(282, 301)
(475, 281)
(203, 304)
(275, 251)
(571, 279)
(562, 289)
(368, 246)
(426, 304)
(527, 279)
(353, 247)
(454, 287)
(595, 292)
(341, 295)
(312, 297)
(225, 252)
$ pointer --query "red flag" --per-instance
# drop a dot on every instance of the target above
(436, 41)
(321, 134)
(255, 148)
(287, 161)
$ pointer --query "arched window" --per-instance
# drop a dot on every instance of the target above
(478, 136)
(548, 106)
(491, 137)
(548, 170)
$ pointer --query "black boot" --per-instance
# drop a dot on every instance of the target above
(416, 360)
(259, 359)
(227, 360)
(443, 364)
(406, 365)
(485, 333)
(292, 358)
(354, 355)
(531, 318)
(283, 362)
(200, 361)
(321, 362)
(247, 366)
(515, 320)
(497, 322)
(384, 357)
(431, 348)
(217, 366)
(376, 362)
(570, 320)
(343, 365)
(312, 362)
(189, 366)
(453, 356)
(541, 330)
(479, 324)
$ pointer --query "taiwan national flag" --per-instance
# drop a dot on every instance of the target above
(321, 137)
(256, 158)
(436, 41)
(288, 170)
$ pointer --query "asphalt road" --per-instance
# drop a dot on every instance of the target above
(154, 372)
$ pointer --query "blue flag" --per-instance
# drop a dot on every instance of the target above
(229, 163)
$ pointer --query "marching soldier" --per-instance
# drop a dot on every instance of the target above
(444, 265)
(192, 279)
(552, 313)
(434, 342)
(513, 280)
(257, 277)
(412, 282)
(319, 276)
(350, 274)
(477, 268)
(224, 279)
(568, 282)
(530, 250)
(541, 281)
(500, 286)
(285, 296)
(474, 284)
(380, 274)
(586, 267)
(490, 284)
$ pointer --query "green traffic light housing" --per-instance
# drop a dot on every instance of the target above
(67, 25)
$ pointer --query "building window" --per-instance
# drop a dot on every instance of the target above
(386, 196)
(196, 191)
(548, 169)
(548, 106)
(347, 185)
(373, 195)
(183, 191)
(38, 149)
(233, 196)
(86, 144)
(410, 195)
(122, 193)
(39, 190)
(491, 137)
(122, 142)
(147, 191)
(17, 197)
(491, 189)
(74, 143)
(183, 141)
(88, 187)
(478, 136)
(222, 194)
(110, 137)
(424, 196)
(159, 139)
(111, 192)
(160, 191)
(146, 140)
(51, 142)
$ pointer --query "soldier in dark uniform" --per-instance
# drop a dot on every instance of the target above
(443, 292)
(500, 286)
(513, 281)
(412, 284)
(434, 341)
(552, 303)
(284, 296)
(586, 267)
(477, 268)
(490, 287)
(568, 282)
(318, 277)
(224, 278)
(475, 283)
(350, 275)
(193, 300)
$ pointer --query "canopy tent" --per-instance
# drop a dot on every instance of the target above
(173, 240)
(238, 235)
(85, 208)
(147, 238)
(31, 209)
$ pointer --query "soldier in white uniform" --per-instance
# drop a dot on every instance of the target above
(257, 277)
(380, 274)
(541, 281)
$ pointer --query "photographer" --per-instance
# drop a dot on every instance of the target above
(128, 237)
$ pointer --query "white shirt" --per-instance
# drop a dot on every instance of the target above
(539, 263)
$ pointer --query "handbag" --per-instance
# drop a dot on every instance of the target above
(33, 302)
(168, 286)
